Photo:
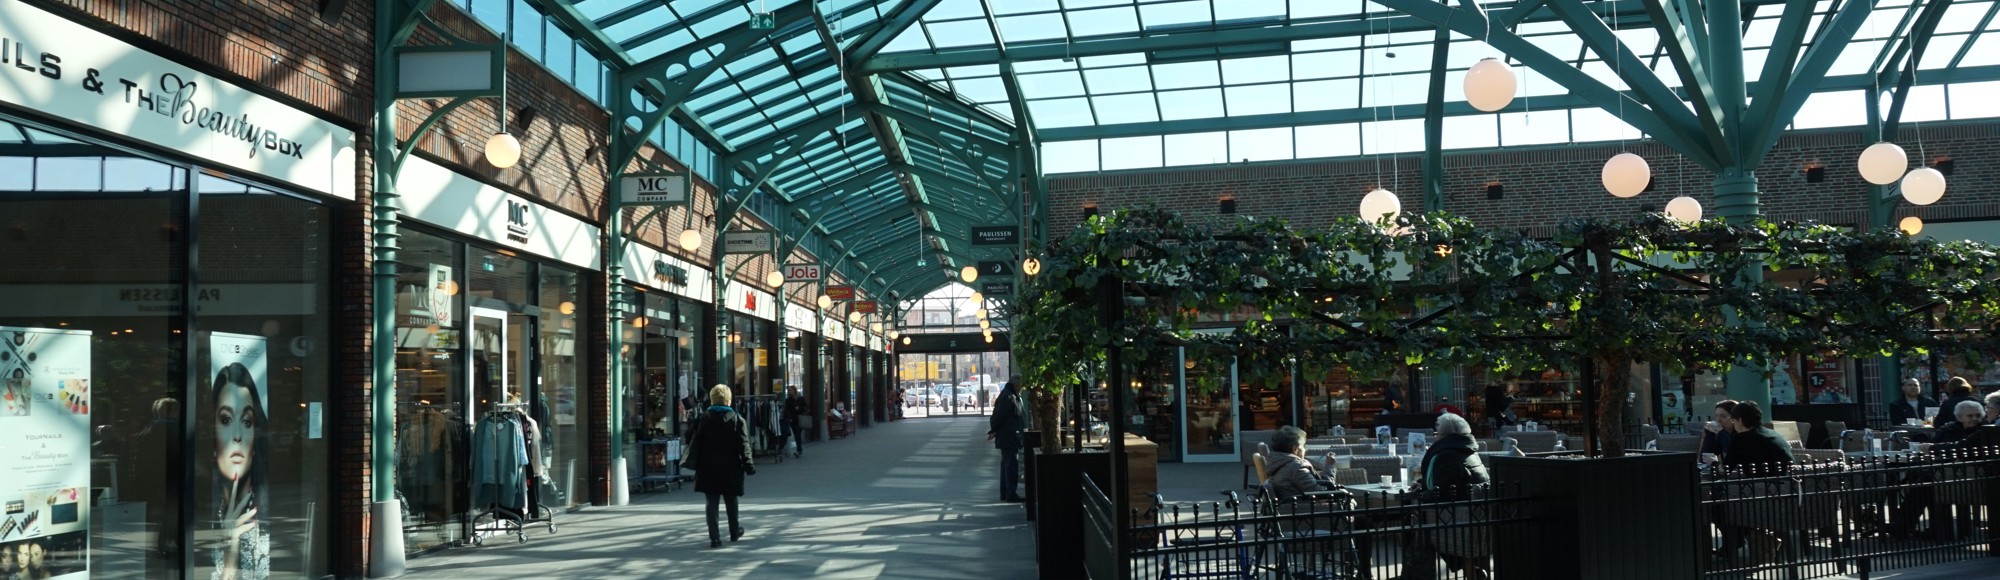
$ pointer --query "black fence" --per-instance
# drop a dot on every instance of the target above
(1851, 518)
(1338, 535)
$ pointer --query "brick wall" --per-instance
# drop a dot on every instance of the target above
(1544, 185)
(353, 422)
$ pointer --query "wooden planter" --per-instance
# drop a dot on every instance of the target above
(1629, 517)
(1059, 523)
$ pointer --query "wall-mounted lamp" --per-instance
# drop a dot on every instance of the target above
(1089, 210)
(1815, 172)
(1227, 205)
(1943, 164)
(1495, 191)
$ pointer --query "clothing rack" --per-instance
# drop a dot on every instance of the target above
(506, 467)
(668, 472)
(763, 413)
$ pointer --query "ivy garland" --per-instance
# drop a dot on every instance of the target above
(1435, 289)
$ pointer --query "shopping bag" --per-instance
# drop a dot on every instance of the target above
(792, 447)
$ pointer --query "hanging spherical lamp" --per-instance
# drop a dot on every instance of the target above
(1031, 266)
(1911, 225)
(894, 334)
(982, 314)
(1380, 206)
(1883, 163)
(690, 240)
(774, 279)
(825, 302)
(1626, 175)
(853, 318)
(906, 341)
(503, 150)
(1923, 186)
(1684, 209)
(989, 337)
(984, 324)
(977, 299)
(968, 274)
(1489, 85)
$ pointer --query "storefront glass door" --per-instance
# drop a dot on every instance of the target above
(1209, 417)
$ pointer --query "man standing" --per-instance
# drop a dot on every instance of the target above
(1004, 430)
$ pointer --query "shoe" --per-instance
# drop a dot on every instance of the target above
(715, 542)
(735, 534)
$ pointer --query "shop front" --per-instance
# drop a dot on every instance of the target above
(491, 327)
(167, 314)
(753, 342)
(669, 301)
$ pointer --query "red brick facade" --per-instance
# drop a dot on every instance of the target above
(1543, 185)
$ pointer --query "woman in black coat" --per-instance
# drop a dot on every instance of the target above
(1452, 467)
(720, 448)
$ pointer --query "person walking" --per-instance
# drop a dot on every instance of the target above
(795, 432)
(1004, 430)
(721, 457)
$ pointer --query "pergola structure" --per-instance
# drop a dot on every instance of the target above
(894, 126)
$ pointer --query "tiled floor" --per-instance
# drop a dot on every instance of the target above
(911, 499)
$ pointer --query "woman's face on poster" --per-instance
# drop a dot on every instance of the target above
(236, 422)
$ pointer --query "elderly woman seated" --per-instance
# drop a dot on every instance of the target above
(1287, 471)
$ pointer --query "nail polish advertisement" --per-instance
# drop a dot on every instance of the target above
(45, 446)
(235, 415)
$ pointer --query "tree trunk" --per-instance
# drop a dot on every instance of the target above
(1617, 371)
(1046, 407)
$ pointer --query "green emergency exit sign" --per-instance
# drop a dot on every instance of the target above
(763, 21)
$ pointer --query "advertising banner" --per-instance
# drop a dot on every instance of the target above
(45, 447)
(840, 293)
(748, 242)
(234, 415)
(653, 189)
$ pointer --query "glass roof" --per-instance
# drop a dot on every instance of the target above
(898, 172)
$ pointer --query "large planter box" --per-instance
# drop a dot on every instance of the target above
(1059, 524)
(1630, 517)
(1030, 441)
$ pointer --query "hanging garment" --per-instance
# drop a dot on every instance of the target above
(499, 457)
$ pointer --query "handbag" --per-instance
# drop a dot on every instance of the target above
(688, 451)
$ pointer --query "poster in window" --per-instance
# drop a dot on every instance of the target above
(1784, 384)
(45, 402)
(1826, 381)
(235, 414)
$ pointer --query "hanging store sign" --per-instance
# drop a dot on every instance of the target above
(996, 288)
(653, 189)
(72, 72)
(439, 196)
(995, 268)
(748, 242)
(865, 307)
(840, 293)
(996, 235)
(802, 272)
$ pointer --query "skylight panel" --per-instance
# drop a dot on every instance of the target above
(1258, 99)
(1105, 21)
(1963, 17)
(984, 90)
(1593, 124)
(1941, 50)
(1975, 100)
(1035, 66)
(1263, 69)
(1926, 103)
(1189, 104)
(1856, 58)
(1534, 128)
(1325, 8)
(1835, 109)
(1061, 112)
(912, 39)
(593, 9)
(1112, 60)
(1004, 7)
(1247, 9)
(1118, 80)
(1175, 13)
(1131, 153)
(1761, 32)
(949, 9)
(1326, 95)
(720, 22)
(1186, 75)
(960, 33)
(1319, 65)
(1119, 109)
(1197, 149)
(1261, 144)
(1471, 132)
(1395, 90)
(1342, 140)
(1985, 51)
(1069, 156)
(1032, 27)
(1386, 136)
(1318, 44)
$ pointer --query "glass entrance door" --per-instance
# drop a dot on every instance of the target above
(493, 379)
(1209, 414)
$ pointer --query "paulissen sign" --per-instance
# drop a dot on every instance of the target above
(66, 70)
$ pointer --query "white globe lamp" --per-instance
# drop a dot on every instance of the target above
(690, 240)
(977, 299)
(968, 274)
(1684, 209)
(825, 302)
(1379, 206)
(1626, 175)
(774, 279)
(1883, 163)
(1911, 225)
(503, 150)
(1031, 266)
(1923, 186)
(853, 318)
(1489, 85)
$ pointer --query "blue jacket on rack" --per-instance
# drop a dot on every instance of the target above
(498, 456)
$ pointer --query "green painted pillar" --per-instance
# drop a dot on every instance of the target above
(1736, 202)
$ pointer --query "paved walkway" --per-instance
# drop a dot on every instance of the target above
(909, 499)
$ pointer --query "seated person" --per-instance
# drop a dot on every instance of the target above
(1970, 415)
(1993, 408)
(1287, 471)
(1754, 445)
(1452, 467)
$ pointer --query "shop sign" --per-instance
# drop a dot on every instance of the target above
(802, 272)
(519, 221)
(653, 189)
(669, 273)
(750, 302)
(865, 307)
(996, 235)
(748, 242)
(996, 288)
(103, 300)
(995, 268)
(840, 293)
(70, 71)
